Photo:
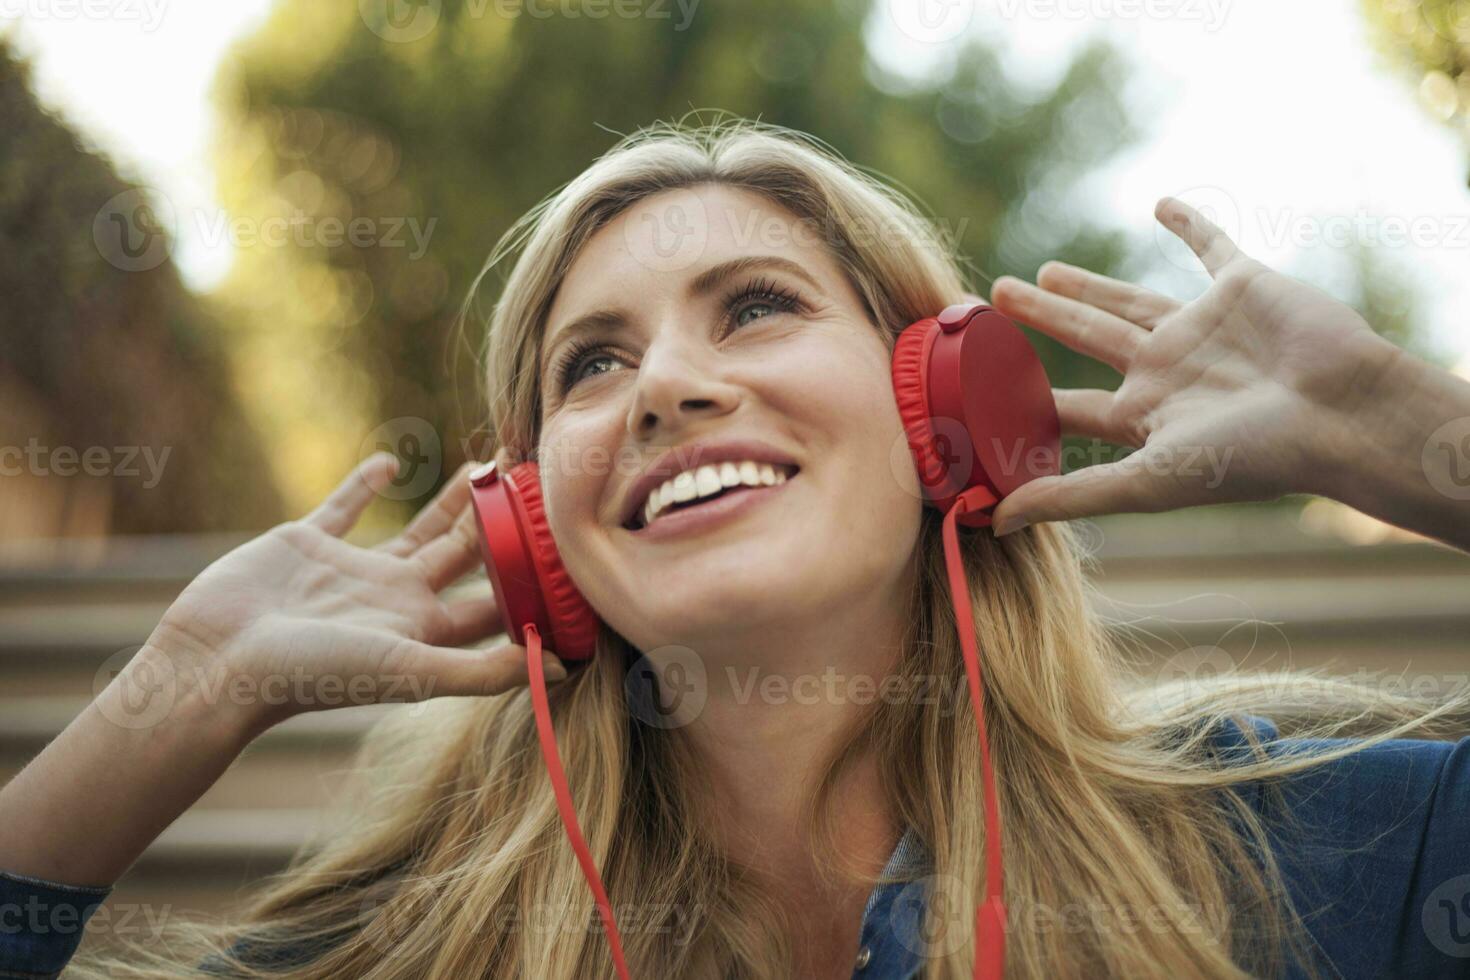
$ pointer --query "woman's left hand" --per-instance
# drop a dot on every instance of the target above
(1237, 395)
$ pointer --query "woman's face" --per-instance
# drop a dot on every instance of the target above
(717, 315)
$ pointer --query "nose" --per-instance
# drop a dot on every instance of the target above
(678, 382)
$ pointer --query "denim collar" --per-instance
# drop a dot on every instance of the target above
(892, 947)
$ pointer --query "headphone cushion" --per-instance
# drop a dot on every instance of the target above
(574, 625)
(913, 398)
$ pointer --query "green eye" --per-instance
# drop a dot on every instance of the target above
(763, 298)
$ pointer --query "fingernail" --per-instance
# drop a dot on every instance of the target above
(1010, 524)
(552, 668)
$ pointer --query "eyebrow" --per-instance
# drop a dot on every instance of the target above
(702, 284)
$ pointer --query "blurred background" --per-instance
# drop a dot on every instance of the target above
(235, 241)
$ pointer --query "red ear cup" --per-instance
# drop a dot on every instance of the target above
(976, 405)
(531, 585)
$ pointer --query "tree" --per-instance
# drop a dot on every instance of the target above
(1431, 39)
(119, 414)
(461, 116)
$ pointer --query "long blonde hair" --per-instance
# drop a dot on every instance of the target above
(453, 862)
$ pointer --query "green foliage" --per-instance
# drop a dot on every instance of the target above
(1431, 38)
(97, 358)
(488, 112)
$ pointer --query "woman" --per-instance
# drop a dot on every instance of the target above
(738, 282)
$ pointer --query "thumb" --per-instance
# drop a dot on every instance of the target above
(1120, 487)
(450, 671)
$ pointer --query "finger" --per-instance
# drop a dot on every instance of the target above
(1204, 238)
(1121, 487)
(476, 673)
(452, 554)
(1086, 329)
(345, 505)
(1090, 412)
(472, 619)
(436, 517)
(1133, 303)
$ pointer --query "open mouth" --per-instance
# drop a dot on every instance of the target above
(693, 488)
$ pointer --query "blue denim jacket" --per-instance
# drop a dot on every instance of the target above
(1376, 859)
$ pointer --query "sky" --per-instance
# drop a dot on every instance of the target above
(1275, 117)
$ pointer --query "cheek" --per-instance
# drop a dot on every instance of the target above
(577, 461)
(849, 392)
(859, 443)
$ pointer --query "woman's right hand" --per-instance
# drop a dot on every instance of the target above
(295, 620)
(299, 619)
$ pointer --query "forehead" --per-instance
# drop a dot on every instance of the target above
(667, 239)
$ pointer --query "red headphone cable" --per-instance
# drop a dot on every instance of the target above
(564, 796)
(990, 917)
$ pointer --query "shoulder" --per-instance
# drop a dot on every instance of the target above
(1383, 779)
(1374, 844)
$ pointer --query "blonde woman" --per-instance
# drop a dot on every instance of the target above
(741, 282)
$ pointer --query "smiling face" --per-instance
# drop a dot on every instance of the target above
(740, 326)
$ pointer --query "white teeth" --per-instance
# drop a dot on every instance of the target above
(684, 486)
(708, 480)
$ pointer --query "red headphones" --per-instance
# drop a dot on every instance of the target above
(981, 420)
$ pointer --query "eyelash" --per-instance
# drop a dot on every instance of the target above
(765, 290)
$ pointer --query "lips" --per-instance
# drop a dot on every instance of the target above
(784, 473)
(690, 457)
(709, 514)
